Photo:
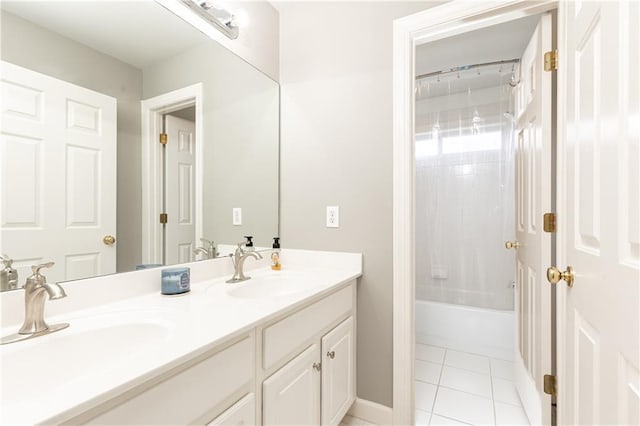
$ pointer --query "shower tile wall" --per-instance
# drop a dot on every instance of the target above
(461, 227)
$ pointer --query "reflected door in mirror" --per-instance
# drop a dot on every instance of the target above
(179, 182)
(58, 175)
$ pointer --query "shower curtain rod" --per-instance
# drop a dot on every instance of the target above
(466, 67)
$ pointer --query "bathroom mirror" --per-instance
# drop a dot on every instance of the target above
(87, 88)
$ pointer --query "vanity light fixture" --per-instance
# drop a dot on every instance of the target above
(221, 19)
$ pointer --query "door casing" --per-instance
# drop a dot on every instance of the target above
(433, 24)
(152, 111)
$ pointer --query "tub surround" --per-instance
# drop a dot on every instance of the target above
(163, 332)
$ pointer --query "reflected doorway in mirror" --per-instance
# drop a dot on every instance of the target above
(171, 176)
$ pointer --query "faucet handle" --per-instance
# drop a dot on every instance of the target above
(6, 260)
(36, 268)
(211, 245)
(38, 279)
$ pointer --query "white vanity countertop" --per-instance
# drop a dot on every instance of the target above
(111, 348)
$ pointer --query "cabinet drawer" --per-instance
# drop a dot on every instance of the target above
(287, 335)
(190, 394)
(242, 412)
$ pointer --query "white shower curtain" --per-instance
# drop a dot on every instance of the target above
(465, 190)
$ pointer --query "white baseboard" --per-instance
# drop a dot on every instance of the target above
(371, 412)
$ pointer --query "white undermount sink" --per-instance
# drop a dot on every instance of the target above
(88, 344)
(274, 284)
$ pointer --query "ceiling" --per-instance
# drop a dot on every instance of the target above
(111, 26)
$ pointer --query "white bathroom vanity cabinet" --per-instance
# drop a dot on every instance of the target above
(298, 368)
(308, 362)
(277, 349)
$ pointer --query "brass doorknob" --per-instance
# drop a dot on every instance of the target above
(512, 244)
(554, 275)
(109, 240)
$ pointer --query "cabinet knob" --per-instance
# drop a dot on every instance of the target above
(317, 366)
(331, 354)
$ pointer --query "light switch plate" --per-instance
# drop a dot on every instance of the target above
(333, 217)
(237, 216)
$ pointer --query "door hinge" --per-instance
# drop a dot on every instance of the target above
(163, 138)
(164, 218)
(550, 385)
(549, 220)
(551, 60)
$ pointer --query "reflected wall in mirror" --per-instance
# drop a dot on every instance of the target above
(76, 168)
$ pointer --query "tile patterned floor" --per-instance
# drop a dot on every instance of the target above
(458, 388)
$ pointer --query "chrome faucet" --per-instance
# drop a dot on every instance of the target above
(35, 290)
(238, 259)
(208, 249)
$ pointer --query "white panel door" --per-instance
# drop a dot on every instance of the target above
(58, 169)
(338, 373)
(180, 230)
(598, 209)
(533, 199)
(291, 396)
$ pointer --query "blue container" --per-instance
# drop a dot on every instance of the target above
(176, 281)
(148, 266)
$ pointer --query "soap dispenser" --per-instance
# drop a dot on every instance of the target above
(275, 255)
(249, 244)
(8, 275)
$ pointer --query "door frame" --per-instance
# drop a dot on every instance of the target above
(152, 111)
(433, 24)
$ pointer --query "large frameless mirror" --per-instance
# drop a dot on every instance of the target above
(129, 139)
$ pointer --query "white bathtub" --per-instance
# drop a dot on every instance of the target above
(476, 330)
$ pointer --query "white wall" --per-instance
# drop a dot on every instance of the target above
(336, 149)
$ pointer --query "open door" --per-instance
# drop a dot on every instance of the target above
(58, 173)
(599, 215)
(533, 200)
(179, 190)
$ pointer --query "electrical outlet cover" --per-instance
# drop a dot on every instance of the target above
(237, 216)
(333, 217)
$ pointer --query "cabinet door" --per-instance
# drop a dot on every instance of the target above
(242, 413)
(338, 372)
(291, 396)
